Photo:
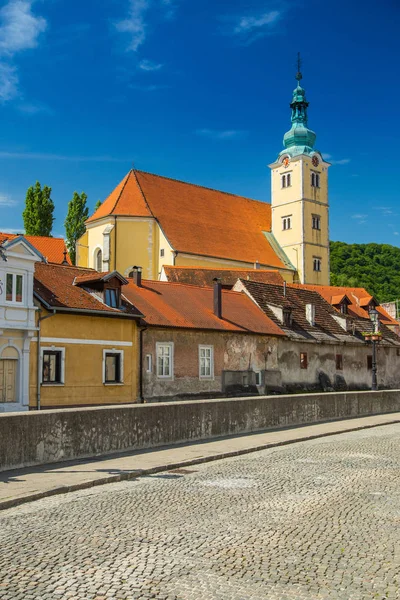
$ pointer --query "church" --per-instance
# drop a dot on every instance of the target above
(153, 221)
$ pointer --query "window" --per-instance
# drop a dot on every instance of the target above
(303, 360)
(344, 308)
(315, 180)
(286, 180)
(164, 360)
(14, 287)
(369, 362)
(258, 377)
(339, 362)
(52, 366)
(287, 317)
(317, 264)
(149, 363)
(162, 252)
(113, 366)
(287, 222)
(316, 222)
(111, 298)
(206, 362)
(98, 263)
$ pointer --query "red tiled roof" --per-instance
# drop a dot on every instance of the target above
(203, 276)
(54, 284)
(168, 304)
(196, 220)
(359, 298)
(51, 248)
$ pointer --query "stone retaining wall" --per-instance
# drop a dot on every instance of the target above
(57, 435)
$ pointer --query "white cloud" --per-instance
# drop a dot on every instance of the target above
(6, 201)
(149, 88)
(134, 24)
(360, 218)
(227, 134)
(266, 20)
(8, 82)
(395, 233)
(342, 161)
(45, 156)
(33, 108)
(149, 65)
(326, 156)
(19, 30)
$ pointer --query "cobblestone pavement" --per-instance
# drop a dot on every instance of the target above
(320, 519)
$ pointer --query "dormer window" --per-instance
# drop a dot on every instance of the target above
(287, 317)
(343, 308)
(111, 297)
(14, 284)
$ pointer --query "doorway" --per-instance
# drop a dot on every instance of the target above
(8, 380)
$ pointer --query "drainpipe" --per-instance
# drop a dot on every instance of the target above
(115, 244)
(141, 331)
(39, 374)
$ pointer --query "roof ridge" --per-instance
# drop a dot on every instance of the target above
(179, 283)
(142, 193)
(120, 193)
(201, 186)
(222, 269)
(43, 237)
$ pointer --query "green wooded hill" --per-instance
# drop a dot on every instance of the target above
(375, 267)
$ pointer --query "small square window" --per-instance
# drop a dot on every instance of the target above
(258, 377)
(162, 252)
(149, 363)
(303, 360)
(339, 362)
(51, 366)
(112, 367)
(369, 362)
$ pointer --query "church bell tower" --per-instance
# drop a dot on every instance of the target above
(299, 197)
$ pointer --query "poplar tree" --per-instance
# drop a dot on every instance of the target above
(77, 214)
(38, 214)
(97, 205)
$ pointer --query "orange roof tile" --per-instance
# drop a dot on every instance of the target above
(195, 219)
(204, 276)
(168, 304)
(51, 248)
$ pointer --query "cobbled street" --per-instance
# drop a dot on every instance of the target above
(319, 519)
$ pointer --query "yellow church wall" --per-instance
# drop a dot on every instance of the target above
(137, 246)
(163, 244)
(317, 277)
(95, 241)
(83, 339)
(82, 250)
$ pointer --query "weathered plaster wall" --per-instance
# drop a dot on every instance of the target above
(322, 359)
(237, 352)
(52, 436)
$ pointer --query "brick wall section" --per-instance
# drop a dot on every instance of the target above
(52, 436)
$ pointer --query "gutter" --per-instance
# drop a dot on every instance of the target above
(83, 311)
(141, 331)
(38, 349)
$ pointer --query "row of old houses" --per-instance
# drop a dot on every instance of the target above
(72, 336)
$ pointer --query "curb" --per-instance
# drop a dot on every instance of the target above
(65, 489)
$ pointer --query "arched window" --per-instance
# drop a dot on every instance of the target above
(98, 263)
(288, 179)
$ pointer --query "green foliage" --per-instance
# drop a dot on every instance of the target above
(375, 267)
(74, 223)
(97, 205)
(38, 213)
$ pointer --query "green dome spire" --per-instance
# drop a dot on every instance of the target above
(299, 139)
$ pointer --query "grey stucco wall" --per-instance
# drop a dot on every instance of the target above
(51, 436)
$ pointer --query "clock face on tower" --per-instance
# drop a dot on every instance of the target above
(315, 160)
(286, 161)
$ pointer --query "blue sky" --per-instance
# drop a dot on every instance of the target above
(199, 90)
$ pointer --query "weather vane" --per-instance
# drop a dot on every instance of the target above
(299, 76)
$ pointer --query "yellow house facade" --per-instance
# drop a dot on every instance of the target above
(85, 351)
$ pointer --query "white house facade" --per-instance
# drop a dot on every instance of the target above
(17, 321)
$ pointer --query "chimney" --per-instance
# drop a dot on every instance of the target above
(65, 262)
(217, 298)
(256, 265)
(137, 276)
(284, 289)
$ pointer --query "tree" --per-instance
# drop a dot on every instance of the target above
(38, 214)
(97, 205)
(77, 214)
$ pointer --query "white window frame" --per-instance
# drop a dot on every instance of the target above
(211, 349)
(316, 222)
(44, 349)
(258, 378)
(121, 366)
(149, 363)
(286, 222)
(170, 345)
(14, 289)
(317, 261)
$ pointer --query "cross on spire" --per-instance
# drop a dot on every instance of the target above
(299, 76)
